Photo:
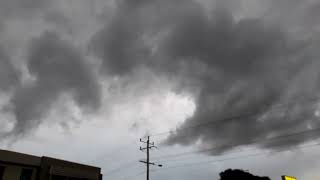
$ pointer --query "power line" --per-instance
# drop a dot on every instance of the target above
(199, 125)
(110, 155)
(131, 163)
(224, 120)
(124, 147)
(214, 122)
(230, 146)
(121, 167)
(135, 175)
(219, 160)
(192, 157)
(167, 158)
(228, 119)
(232, 158)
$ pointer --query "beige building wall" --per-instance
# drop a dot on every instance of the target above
(20, 158)
(15, 162)
(13, 172)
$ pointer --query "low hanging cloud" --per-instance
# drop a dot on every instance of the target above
(58, 68)
(232, 68)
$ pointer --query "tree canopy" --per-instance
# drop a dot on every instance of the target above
(237, 174)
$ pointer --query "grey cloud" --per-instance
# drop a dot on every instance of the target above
(118, 44)
(21, 8)
(231, 67)
(58, 68)
(8, 74)
(255, 66)
(122, 43)
(59, 20)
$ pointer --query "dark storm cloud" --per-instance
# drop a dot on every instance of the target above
(253, 68)
(118, 44)
(21, 8)
(123, 43)
(59, 20)
(236, 67)
(58, 68)
(8, 75)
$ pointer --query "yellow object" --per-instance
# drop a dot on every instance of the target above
(288, 178)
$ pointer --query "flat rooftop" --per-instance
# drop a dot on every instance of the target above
(19, 158)
(31, 160)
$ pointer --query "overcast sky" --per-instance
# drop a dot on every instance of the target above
(83, 80)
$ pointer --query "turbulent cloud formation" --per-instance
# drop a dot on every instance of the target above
(118, 44)
(21, 8)
(8, 75)
(234, 67)
(58, 69)
(132, 36)
(260, 65)
(251, 69)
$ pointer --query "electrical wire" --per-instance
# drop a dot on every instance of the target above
(121, 167)
(110, 155)
(135, 175)
(192, 157)
(233, 158)
(230, 146)
(164, 160)
(228, 119)
(225, 120)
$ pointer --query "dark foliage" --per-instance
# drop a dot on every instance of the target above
(236, 174)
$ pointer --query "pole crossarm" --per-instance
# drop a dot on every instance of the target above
(147, 162)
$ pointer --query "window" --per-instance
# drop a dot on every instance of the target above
(26, 174)
(56, 177)
(2, 168)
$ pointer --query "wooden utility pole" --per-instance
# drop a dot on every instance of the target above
(148, 157)
(147, 162)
